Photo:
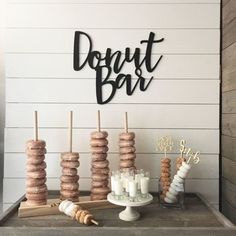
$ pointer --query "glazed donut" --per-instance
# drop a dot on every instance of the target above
(36, 202)
(35, 160)
(35, 152)
(99, 177)
(100, 164)
(37, 189)
(70, 156)
(126, 143)
(35, 182)
(82, 216)
(95, 197)
(35, 144)
(99, 156)
(77, 215)
(98, 142)
(104, 171)
(125, 150)
(69, 194)
(69, 179)
(97, 184)
(36, 196)
(36, 174)
(69, 171)
(99, 149)
(128, 156)
(32, 168)
(99, 135)
(70, 186)
(70, 164)
(126, 164)
(100, 191)
(127, 136)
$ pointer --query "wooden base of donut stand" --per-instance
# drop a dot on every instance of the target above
(52, 209)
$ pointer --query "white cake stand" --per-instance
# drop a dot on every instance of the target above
(129, 214)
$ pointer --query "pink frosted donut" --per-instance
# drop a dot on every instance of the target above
(127, 136)
(39, 144)
(70, 186)
(70, 156)
(125, 150)
(35, 182)
(69, 171)
(36, 196)
(35, 160)
(99, 177)
(36, 174)
(69, 193)
(98, 142)
(37, 189)
(126, 164)
(99, 156)
(99, 149)
(104, 171)
(69, 179)
(99, 135)
(126, 143)
(128, 156)
(70, 164)
(97, 184)
(32, 168)
(100, 190)
(100, 164)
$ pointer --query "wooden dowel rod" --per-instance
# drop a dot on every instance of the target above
(99, 121)
(70, 130)
(36, 125)
(126, 122)
(95, 222)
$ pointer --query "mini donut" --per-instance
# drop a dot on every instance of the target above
(128, 156)
(100, 191)
(69, 171)
(95, 197)
(99, 149)
(69, 193)
(97, 184)
(78, 213)
(87, 219)
(126, 164)
(165, 174)
(165, 160)
(98, 142)
(36, 202)
(82, 215)
(99, 177)
(35, 144)
(69, 179)
(127, 136)
(100, 164)
(125, 150)
(36, 174)
(36, 196)
(35, 160)
(99, 156)
(99, 135)
(35, 152)
(37, 189)
(104, 171)
(126, 143)
(35, 182)
(41, 166)
(70, 186)
(70, 164)
(70, 156)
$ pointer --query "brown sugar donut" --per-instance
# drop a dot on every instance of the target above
(35, 152)
(35, 182)
(36, 196)
(99, 135)
(127, 136)
(37, 189)
(36, 174)
(30, 167)
(97, 184)
(126, 143)
(69, 171)
(70, 156)
(95, 197)
(36, 144)
(99, 149)
(70, 164)
(128, 156)
(100, 171)
(69, 193)
(99, 156)
(100, 164)
(100, 190)
(69, 179)
(99, 177)
(35, 160)
(98, 142)
(126, 163)
(70, 186)
(125, 150)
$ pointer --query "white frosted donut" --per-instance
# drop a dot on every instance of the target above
(98, 142)
(182, 174)
(171, 196)
(187, 166)
(99, 135)
(168, 200)
(178, 179)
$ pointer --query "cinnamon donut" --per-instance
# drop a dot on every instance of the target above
(36, 202)
(77, 215)
(35, 160)
(69, 179)
(87, 219)
(100, 190)
(99, 135)
(128, 156)
(70, 164)
(127, 136)
(104, 171)
(70, 186)
(97, 184)
(95, 197)
(126, 143)
(126, 163)
(125, 150)
(165, 160)
(69, 171)
(99, 156)
(36, 196)
(82, 216)
(35, 144)
(35, 182)
(69, 193)
(99, 177)
(32, 168)
(165, 165)
(70, 156)
(100, 164)
(165, 174)
(35, 152)
(99, 149)
(36, 174)
(37, 189)
(98, 142)
(165, 170)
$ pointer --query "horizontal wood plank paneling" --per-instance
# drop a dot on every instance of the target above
(208, 188)
(207, 168)
(61, 66)
(229, 192)
(61, 41)
(228, 147)
(182, 91)
(56, 115)
(228, 169)
(123, 16)
(229, 124)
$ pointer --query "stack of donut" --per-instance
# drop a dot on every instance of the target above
(69, 178)
(127, 151)
(36, 189)
(179, 161)
(99, 165)
(165, 180)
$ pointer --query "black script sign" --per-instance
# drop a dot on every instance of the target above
(113, 62)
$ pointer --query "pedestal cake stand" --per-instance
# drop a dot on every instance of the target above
(129, 214)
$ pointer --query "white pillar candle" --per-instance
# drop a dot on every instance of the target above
(144, 184)
(118, 187)
(137, 179)
(132, 188)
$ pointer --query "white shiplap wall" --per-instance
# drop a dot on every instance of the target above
(183, 100)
